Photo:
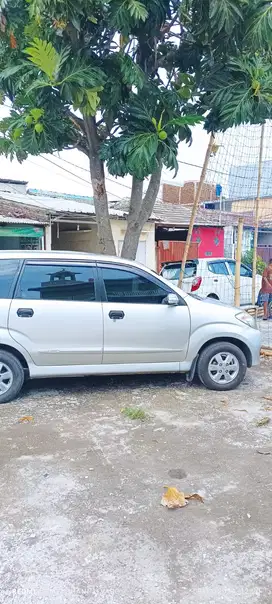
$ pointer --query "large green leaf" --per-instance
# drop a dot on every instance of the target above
(46, 58)
(259, 29)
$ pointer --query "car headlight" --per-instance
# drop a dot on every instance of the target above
(246, 318)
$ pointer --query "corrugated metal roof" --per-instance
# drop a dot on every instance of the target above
(55, 205)
(179, 215)
(9, 220)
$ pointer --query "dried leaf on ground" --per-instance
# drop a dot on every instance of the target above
(244, 410)
(177, 499)
(173, 498)
(263, 422)
(267, 408)
(26, 419)
(195, 496)
(267, 398)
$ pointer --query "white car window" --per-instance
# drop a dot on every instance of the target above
(172, 272)
(244, 272)
(218, 268)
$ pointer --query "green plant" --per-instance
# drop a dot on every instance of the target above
(248, 260)
(135, 413)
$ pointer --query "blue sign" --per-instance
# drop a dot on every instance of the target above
(218, 190)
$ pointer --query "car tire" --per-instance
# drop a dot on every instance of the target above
(11, 376)
(213, 296)
(221, 366)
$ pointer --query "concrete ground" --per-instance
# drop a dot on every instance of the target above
(265, 328)
(81, 484)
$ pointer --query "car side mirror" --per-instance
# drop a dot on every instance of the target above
(172, 300)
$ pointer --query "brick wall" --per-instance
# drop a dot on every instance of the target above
(185, 195)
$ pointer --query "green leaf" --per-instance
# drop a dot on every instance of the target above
(137, 10)
(225, 14)
(185, 120)
(17, 133)
(45, 57)
(93, 19)
(259, 29)
(132, 74)
(10, 71)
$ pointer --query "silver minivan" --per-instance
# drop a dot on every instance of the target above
(73, 314)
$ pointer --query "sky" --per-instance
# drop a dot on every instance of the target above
(40, 173)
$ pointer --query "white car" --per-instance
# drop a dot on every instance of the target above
(213, 278)
(72, 314)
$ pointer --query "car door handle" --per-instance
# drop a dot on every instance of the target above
(215, 280)
(116, 314)
(25, 312)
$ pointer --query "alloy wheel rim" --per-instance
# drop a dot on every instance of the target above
(223, 368)
(6, 378)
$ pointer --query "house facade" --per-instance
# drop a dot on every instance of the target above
(69, 223)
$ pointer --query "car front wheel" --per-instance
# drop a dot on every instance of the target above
(221, 366)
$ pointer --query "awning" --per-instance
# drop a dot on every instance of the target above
(21, 231)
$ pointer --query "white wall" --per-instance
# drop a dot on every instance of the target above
(148, 255)
(86, 240)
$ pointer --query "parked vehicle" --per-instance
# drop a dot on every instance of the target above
(71, 314)
(213, 278)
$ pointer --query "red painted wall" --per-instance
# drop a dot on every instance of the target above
(210, 241)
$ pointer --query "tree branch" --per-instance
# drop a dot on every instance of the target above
(78, 121)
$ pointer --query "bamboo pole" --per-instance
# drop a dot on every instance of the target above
(195, 208)
(237, 286)
(257, 214)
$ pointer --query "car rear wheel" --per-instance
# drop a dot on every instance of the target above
(11, 376)
(221, 366)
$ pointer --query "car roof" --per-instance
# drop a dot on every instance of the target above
(210, 259)
(65, 255)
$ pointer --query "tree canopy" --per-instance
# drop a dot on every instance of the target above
(124, 80)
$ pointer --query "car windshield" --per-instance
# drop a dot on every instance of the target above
(172, 271)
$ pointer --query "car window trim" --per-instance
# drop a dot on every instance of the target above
(136, 270)
(47, 262)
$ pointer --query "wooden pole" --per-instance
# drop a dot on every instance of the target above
(195, 208)
(237, 286)
(257, 215)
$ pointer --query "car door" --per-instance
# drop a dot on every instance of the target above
(138, 326)
(55, 314)
(217, 281)
(245, 281)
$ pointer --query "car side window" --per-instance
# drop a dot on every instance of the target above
(57, 282)
(128, 287)
(245, 271)
(8, 272)
(218, 268)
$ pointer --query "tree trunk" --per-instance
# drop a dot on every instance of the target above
(130, 245)
(104, 230)
(139, 212)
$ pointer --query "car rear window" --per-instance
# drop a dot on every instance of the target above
(8, 272)
(172, 271)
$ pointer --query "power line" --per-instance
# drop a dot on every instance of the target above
(48, 170)
(86, 170)
(73, 174)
